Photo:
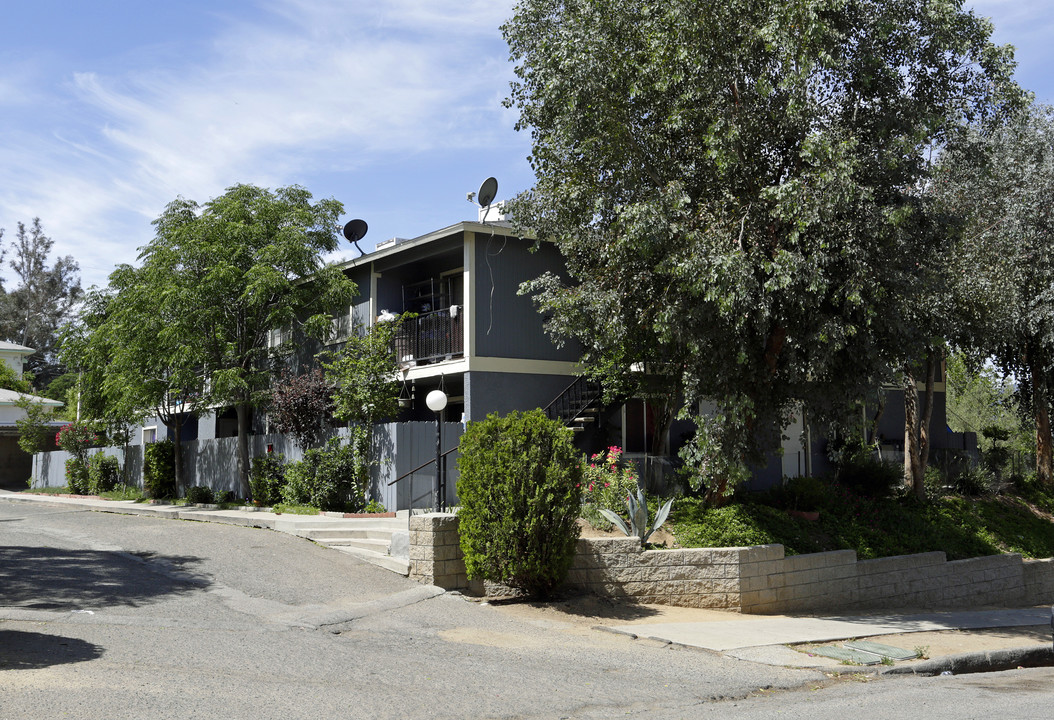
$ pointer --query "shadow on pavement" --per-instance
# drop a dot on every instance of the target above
(31, 651)
(58, 579)
(586, 606)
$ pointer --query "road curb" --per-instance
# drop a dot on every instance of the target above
(976, 662)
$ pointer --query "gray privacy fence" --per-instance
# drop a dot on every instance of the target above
(398, 449)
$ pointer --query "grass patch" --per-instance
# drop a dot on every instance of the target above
(123, 492)
(962, 527)
(295, 509)
(47, 491)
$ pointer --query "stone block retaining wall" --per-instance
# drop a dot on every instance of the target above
(435, 552)
(759, 579)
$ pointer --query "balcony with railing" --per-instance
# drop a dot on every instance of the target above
(431, 337)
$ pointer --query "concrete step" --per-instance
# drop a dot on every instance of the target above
(325, 534)
(374, 544)
(396, 565)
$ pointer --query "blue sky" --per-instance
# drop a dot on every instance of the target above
(109, 109)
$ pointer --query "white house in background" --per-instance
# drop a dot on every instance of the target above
(15, 465)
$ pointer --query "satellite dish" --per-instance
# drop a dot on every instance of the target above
(487, 192)
(354, 231)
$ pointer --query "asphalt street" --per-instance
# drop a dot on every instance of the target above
(133, 617)
(137, 617)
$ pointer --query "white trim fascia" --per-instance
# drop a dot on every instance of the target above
(524, 366)
(447, 367)
(443, 233)
(374, 277)
(469, 290)
(518, 366)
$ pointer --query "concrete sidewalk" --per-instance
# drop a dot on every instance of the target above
(979, 637)
(756, 638)
(246, 516)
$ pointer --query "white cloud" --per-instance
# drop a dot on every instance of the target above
(310, 86)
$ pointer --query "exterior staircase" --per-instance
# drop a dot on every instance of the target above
(578, 405)
(384, 542)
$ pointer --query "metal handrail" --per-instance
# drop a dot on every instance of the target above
(561, 394)
(422, 466)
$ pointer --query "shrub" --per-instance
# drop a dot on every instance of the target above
(866, 475)
(520, 494)
(159, 469)
(974, 481)
(374, 507)
(797, 493)
(104, 474)
(200, 495)
(806, 493)
(76, 476)
(267, 478)
(606, 483)
(327, 478)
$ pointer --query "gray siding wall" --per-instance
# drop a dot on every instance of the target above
(487, 392)
(507, 324)
(399, 448)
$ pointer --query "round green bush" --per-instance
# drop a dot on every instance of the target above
(104, 473)
(159, 469)
(200, 495)
(76, 476)
(520, 494)
(327, 478)
(266, 478)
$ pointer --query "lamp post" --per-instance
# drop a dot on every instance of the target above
(436, 401)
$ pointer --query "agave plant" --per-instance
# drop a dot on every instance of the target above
(638, 517)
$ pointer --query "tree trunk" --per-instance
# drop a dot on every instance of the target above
(917, 426)
(924, 428)
(911, 430)
(1041, 414)
(243, 448)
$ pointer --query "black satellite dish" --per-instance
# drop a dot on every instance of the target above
(487, 192)
(354, 231)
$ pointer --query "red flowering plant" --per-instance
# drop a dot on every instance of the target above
(76, 439)
(607, 480)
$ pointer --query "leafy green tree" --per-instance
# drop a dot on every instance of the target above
(33, 428)
(1003, 181)
(131, 359)
(9, 380)
(979, 399)
(33, 313)
(363, 374)
(733, 189)
(232, 271)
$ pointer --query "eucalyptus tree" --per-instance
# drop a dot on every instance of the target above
(734, 187)
(1003, 181)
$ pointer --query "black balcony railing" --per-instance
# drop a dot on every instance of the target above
(430, 337)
